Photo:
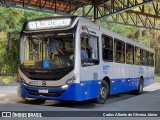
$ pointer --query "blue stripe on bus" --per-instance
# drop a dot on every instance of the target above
(127, 84)
(87, 89)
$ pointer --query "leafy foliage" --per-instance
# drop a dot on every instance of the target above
(10, 26)
(127, 31)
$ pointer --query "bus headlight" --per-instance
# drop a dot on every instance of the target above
(72, 80)
(64, 86)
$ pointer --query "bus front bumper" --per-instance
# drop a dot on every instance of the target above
(74, 92)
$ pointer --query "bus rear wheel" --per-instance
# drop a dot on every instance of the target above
(139, 91)
(103, 93)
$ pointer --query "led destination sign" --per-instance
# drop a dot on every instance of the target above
(48, 24)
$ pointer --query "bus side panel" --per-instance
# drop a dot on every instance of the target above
(123, 85)
(117, 86)
(118, 83)
(131, 78)
(146, 75)
(149, 79)
(90, 81)
(89, 89)
(146, 72)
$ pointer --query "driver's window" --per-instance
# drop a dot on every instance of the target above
(89, 50)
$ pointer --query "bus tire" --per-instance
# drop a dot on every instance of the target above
(139, 91)
(103, 93)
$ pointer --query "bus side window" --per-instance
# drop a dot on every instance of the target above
(93, 45)
(107, 48)
(84, 52)
(147, 58)
(143, 57)
(119, 51)
(151, 59)
(89, 50)
(137, 56)
(129, 54)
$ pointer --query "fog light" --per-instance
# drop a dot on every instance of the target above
(64, 86)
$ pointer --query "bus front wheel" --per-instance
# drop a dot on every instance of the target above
(103, 93)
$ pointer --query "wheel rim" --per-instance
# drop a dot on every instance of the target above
(103, 92)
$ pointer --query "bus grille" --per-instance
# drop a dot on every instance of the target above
(49, 94)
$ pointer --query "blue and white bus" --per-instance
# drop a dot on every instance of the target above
(74, 59)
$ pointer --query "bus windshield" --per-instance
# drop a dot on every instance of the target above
(47, 51)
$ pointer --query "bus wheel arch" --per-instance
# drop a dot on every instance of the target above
(139, 91)
(141, 79)
(104, 91)
(107, 80)
(140, 85)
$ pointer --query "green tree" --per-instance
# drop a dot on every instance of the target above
(10, 26)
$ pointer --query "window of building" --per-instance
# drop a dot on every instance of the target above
(119, 51)
(129, 54)
(107, 48)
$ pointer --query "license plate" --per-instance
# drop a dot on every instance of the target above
(43, 91)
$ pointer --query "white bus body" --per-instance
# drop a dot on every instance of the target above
(83, 82)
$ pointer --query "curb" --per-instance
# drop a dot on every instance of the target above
(11, 84)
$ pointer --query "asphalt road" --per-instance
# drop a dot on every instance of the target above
(149, 101)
